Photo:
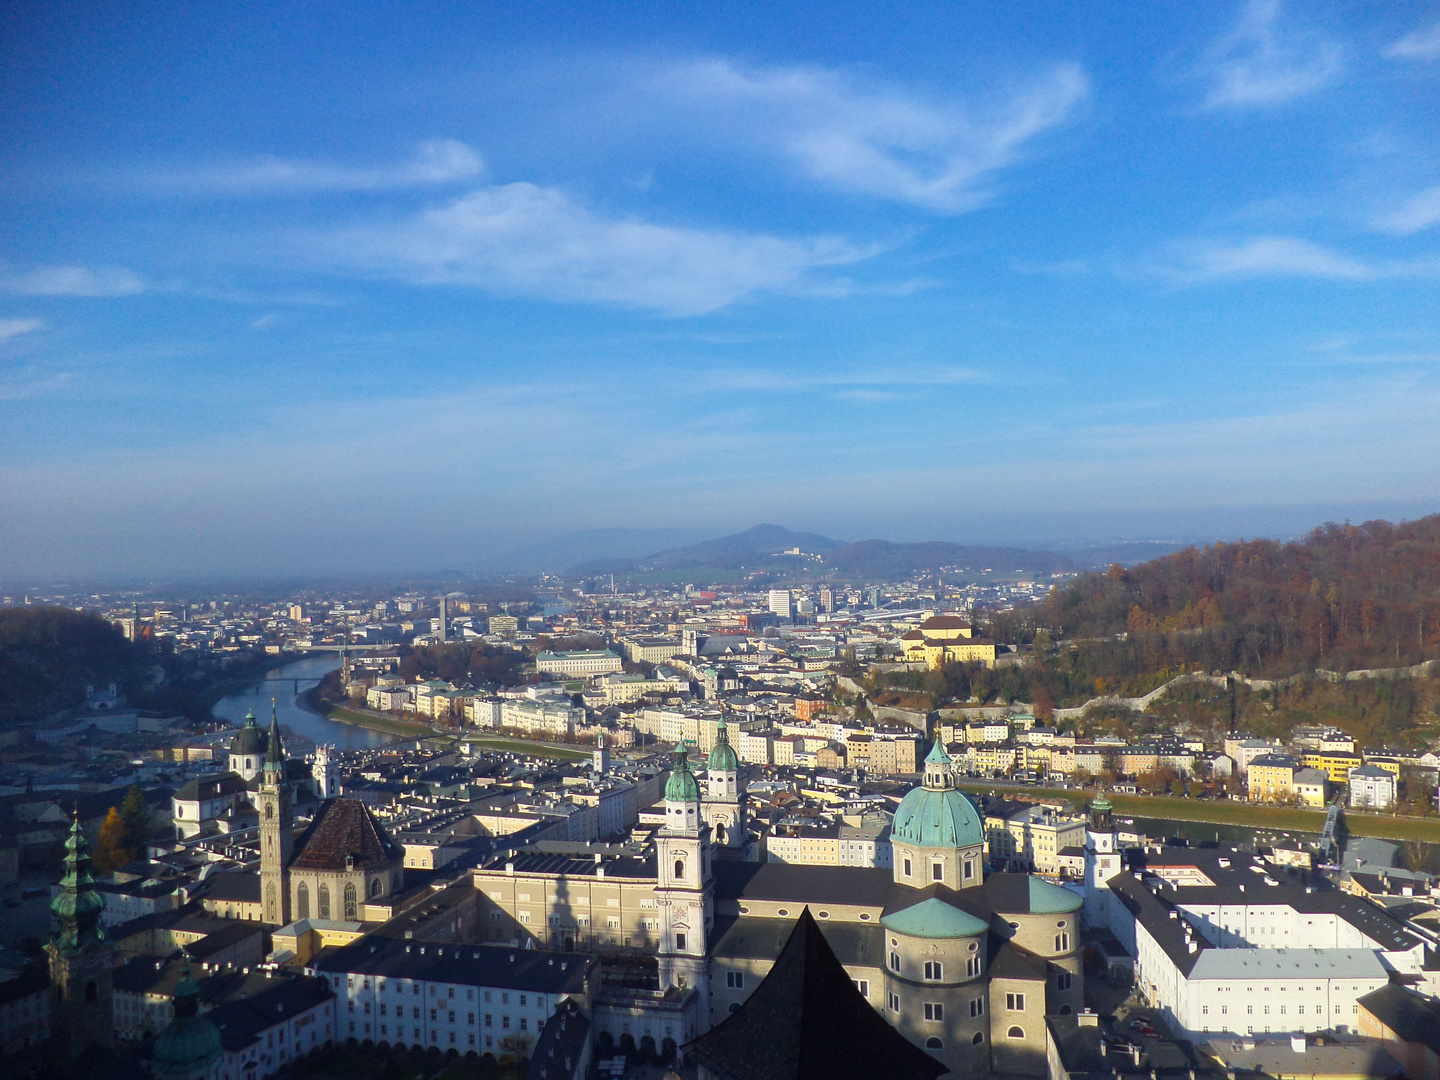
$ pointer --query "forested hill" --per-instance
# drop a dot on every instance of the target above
(1345, 597)
(48, 655)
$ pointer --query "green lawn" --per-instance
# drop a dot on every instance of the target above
(1224, 812)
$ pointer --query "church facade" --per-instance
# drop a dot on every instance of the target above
(966, 966)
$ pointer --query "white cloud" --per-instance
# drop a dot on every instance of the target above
(76, 281)
(1421, 44)
(1258, 64)
(31, 383)
(434, 163)
(1420, 211)
(14, 327)
(525, 240)
(1200, 261)
(877, 139)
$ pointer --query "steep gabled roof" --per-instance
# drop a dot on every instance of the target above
(344, 829)
(807, 1021)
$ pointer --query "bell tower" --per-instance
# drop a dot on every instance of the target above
(684, 888)
(80, 956)
(1102, 861)
(275, 801)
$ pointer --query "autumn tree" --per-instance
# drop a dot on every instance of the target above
(112, 849)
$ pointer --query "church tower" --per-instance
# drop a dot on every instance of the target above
(80, 957)
(1102, 861)
(723, 807)
(684, 890)
(275, 801)
(600, 759)
(327, 777)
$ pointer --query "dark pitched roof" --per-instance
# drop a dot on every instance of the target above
(242, 1022)
(1412, 1017)
(345, 828)
(240, 886)
(1010, 961)
(750, 938)
(812, 1024)
(803, 884)
(472, 965)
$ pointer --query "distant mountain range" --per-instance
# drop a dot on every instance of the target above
(766, 545)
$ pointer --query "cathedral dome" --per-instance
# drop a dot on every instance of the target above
(722, 755)
(247, 739)
(937, 819)
(681, 787)
(191, 1044)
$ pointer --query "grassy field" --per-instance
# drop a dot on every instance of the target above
(1282, 818)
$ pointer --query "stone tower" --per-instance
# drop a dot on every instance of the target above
(1102, 861)
(275, 802)
(80, 957)
(723, 807)
(685, 886)
(600, 759)
(327, 777)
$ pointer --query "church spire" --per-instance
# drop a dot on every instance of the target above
(274, 751)
(78, 905)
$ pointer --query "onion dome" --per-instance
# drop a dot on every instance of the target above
(247, 739)
(936, 815)
(191, 1044)
(722, 756)
(682, 787)
(78, 904)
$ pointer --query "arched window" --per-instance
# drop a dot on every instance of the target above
(679, 868)
(979, 1038)
(720, 833)
(324, 901)
(302, 901)
(375, 887)
(1064, 1010)
(269, 811)
(933, 1043)
(1015, 1033)
(350, 909)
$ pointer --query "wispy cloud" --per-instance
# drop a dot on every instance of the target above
(525, 240)
(15, 327)
(1420, 211)
(31, 383)
(882, 381)
(1260, 63)
(75, 281)
(1420, 44)
(434, 163)
(875, 138)
(1201, 261)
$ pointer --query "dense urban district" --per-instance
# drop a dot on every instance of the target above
(862, 804)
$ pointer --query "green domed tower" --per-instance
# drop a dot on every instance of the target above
(80, 956)
(724, 804)
(684, 884)
(190, 1048)
(937, 836)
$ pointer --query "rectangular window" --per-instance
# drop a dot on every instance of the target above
(937, 871)
(894, 1003)
(977, 1008)
(1015, 1002)
(505, 1023)
(969, 870)
(680, 942)
(934, 1010)
(863, 985)
(907, 867)
(894, 961)
(933, 970)
(1063, 981)
(735, 980)
(972, 967)
(489, 1019)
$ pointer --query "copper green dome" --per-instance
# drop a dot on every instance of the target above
(247, 739)
(722, 755)
(681, 787)
(935, 815)
(191, 1044)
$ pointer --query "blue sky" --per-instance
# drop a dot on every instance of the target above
(355, 287)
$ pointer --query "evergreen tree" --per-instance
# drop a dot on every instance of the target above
(137, 818)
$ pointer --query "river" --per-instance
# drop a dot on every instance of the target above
(292, 712)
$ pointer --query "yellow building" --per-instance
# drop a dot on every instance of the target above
(1272, 777)
(1390, 765)
(1336, 765)
(946, 639)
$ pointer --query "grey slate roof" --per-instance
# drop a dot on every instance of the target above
(472, 965)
